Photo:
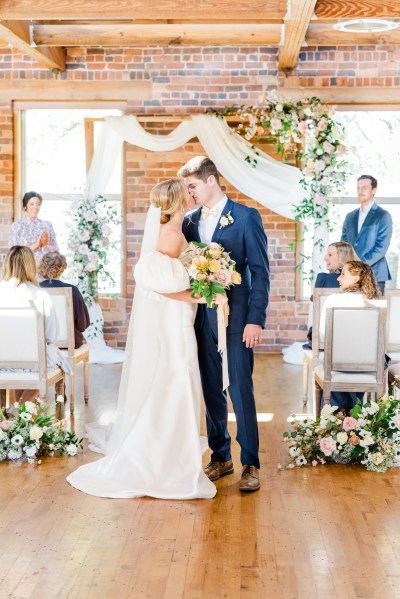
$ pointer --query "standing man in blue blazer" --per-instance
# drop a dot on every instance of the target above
(369, 230)
(240, 231)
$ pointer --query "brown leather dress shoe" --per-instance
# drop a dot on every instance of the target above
(216, 470)
(250, 479)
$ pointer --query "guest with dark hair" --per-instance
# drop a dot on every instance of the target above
(369, 230)
(51, 267)
(30, 230)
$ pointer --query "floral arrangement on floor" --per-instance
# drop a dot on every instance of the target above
(210, 268)
(370, 436)
(90, 243)
(307, 130)
(33, 433)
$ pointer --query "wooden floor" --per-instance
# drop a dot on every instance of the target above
(326, 532)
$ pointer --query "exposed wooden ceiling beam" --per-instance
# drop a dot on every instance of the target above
(156, 35)
(343, 9)
(325, 35)
(346, 96)
(138, 9)
(55, 89)
(296, 23)
(16, 34)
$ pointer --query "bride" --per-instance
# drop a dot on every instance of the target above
(154, 448)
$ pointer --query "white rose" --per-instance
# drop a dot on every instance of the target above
(35, 433)
(106, 230)
(31, 451)
(89, 215)
(342, 438)
(84, 235)
(279, 107)
(93, 257)
(224, 221)
(72, 449)
(30, 407)
(90, 267)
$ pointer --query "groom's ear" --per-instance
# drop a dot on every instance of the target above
(211, 180)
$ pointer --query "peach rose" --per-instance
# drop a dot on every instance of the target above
(354, 440)
(236, 278)
(214, 266)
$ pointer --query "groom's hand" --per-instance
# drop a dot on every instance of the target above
(252, 335)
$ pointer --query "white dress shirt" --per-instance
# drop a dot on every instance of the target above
(362, 215)
(208, 225)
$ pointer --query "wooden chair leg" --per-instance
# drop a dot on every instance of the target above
(306, 371)
(60, 406)
(86, 380)
(317, 391)
(3, 401)
(71, 379)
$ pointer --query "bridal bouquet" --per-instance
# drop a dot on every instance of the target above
(369, 436)
(211, 270)
(33, 433)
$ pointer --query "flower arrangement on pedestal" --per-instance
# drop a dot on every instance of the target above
(307, 130)
(369, 436)
(89, 242)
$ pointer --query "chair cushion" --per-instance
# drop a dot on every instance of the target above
(346, 377)
(394, 356)
(395, 370)
(78, 354)
(26, 376)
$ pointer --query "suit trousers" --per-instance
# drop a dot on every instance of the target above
(241, 392)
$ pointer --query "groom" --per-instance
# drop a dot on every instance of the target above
(240, 231)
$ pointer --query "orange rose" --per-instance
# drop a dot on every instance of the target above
(214, 266)
(354, 440)
(236, 278)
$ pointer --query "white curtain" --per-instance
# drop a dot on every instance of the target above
(273, 184)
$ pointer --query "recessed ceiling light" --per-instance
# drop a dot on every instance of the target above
(365, 25)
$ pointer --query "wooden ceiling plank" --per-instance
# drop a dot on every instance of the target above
(296, 25)
(137, 9)
(360, 9)
(325, 35)
(56, 90)
(16, 35)
(156, 35)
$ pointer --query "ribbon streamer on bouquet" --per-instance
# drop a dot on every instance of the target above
(222, 319)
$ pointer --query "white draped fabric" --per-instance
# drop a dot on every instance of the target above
(273, 184)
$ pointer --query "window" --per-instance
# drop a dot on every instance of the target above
(373, 140)
(54, 165)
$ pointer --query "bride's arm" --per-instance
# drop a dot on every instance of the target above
(185, 296)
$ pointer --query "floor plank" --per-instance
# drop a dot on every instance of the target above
(330, 532)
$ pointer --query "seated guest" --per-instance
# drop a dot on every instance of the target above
(51, 267)
(17, 288)
(357, 283)
(30, 230)
(337, 254)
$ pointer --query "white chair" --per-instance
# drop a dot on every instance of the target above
(23, 345)
(354, 352)
(392, 296)
(63, 305)
(312, 356)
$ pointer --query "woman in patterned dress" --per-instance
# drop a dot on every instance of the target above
(30, 230)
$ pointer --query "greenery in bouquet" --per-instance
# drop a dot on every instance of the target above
(33, 433)
(369, 436)
(90, 241)
(211, 270)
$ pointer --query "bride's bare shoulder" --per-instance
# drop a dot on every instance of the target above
(171, 241)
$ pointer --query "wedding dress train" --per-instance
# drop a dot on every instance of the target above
(154, 447)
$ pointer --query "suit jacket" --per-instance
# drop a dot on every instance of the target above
(246, 242)
(373, 240)
(327, 279)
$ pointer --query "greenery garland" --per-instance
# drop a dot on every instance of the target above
(307, 130)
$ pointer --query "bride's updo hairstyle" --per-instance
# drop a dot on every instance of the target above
(171, 196)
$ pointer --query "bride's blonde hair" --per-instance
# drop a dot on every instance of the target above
(171, 196)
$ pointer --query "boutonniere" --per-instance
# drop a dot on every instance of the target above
(225, 220)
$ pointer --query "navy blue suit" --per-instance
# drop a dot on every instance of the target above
(246, 242)
(373, 240)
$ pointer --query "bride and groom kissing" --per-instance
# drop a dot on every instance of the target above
(154, 447)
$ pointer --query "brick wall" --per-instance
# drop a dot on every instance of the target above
(189, 80)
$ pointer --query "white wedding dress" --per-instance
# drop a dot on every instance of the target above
(154, 447)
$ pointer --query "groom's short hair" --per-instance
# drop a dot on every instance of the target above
(201, 167)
